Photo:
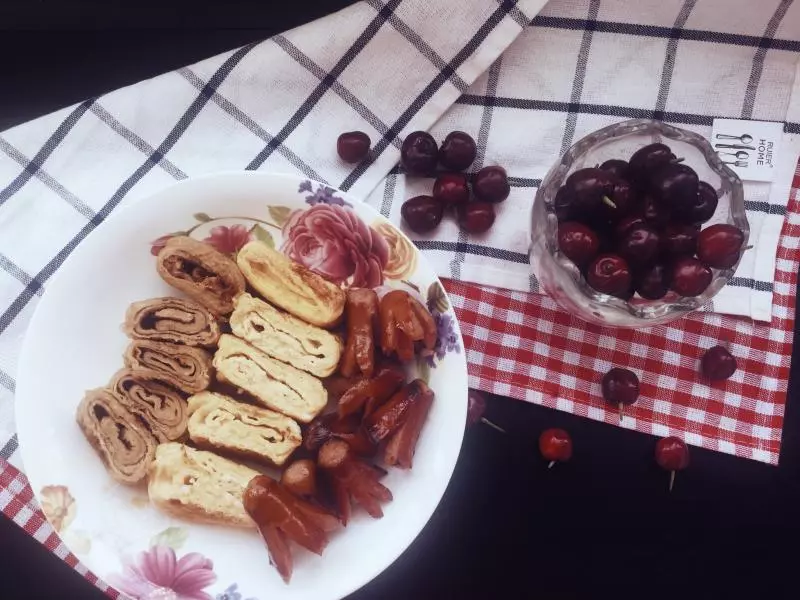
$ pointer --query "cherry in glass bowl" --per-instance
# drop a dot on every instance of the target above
(563, 280)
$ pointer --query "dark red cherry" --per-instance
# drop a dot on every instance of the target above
(627, 223)
(562, 204)
(675, 185)
(584, 193)
(610, 274)
(555, 445)
(451, 189)
(651, 283)
(720, 245)
(622, 201)
(578, 243)
(618, 168)
(422, 213)
(718, 364)
(655, 212)
(647, 160)
(475, 217)
(353, 146)
(703, 207)
(620, 386)
(476, 407)
(458, 151)
(419, 153)
(639, 245)
(678, 240)
(689, 277)
(672, 455)
(490, 184)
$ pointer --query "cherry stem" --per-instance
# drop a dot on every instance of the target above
(492, 425)
(750, 247)
(678, 160)
(621, 411)
(609, 202)
(550, 466)
(671, 479)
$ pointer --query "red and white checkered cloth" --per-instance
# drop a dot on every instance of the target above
(521, 345)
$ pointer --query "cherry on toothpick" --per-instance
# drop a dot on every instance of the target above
(672, 454)
(621, 387)
(555, 445)
(476, 408)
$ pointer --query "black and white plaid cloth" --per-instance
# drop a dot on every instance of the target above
(526, 85)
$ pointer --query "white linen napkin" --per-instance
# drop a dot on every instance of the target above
(386, 67)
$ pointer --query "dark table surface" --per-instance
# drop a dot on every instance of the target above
(507, 527)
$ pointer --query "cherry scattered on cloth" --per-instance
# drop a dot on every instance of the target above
(476, 217)
(353, 146)
(672, 455)
(458, 151)
(451, 189)
(620, 387)
(419, 153)
(490, 184)
(718, 364)
(476, 408)
(555, 446)
(422, 213)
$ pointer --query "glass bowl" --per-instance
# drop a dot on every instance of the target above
(563, 281)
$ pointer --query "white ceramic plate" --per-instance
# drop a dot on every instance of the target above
(75, 343)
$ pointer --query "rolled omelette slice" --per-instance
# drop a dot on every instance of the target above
(199, 486)
(272, 383)
(161, 407)
(201, 272)
(291, 286)
(174, 320)
(124, 443)
(218, 422)
(184, 367)
(287, 338)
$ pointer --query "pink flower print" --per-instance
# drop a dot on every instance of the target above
(228, 240)
(157, 575)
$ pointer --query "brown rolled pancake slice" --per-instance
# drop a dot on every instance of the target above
(291, 286)
(272, 383)
(285, 337)
(218, 422)
(123, 442)
(172, 320)
(201, 272)
(184, 367)
(161, 407)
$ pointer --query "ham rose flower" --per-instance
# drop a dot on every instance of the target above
(333, 242)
